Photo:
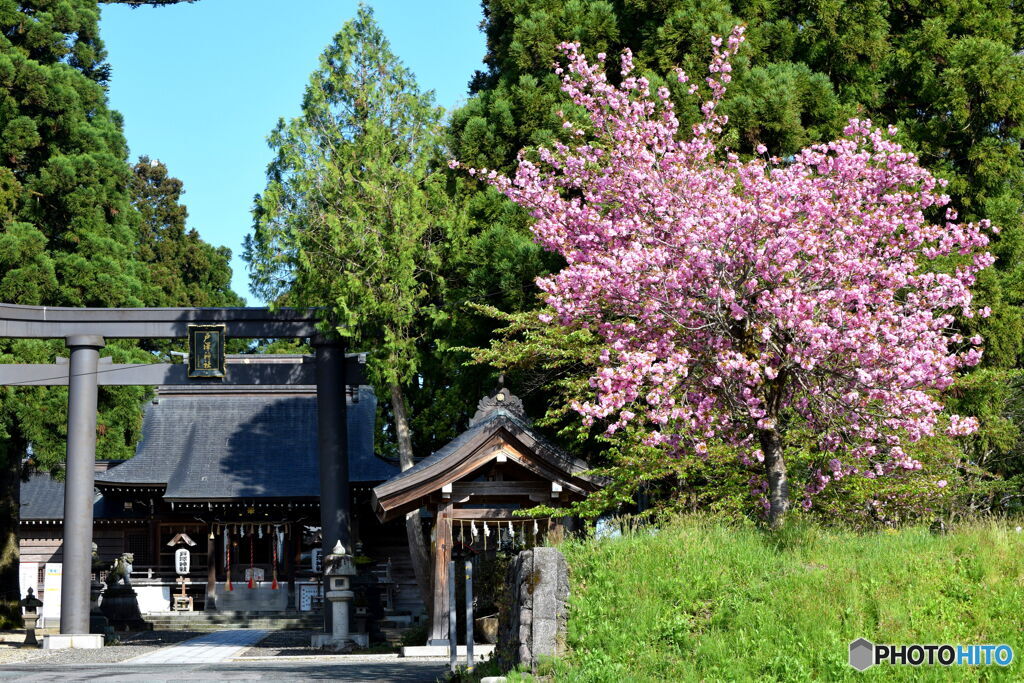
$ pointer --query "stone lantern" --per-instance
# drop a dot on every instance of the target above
(31, 604)
(338, 567)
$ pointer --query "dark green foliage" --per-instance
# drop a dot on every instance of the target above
(347, 219)
(68, 225)
(65, 209)
(183, 269)
(950, 75)
(71, 234)
(357, 217)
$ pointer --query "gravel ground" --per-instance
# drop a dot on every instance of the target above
(295, 644)
(131, 645)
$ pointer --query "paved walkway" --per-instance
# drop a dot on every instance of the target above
(338, 669)
(210, 648)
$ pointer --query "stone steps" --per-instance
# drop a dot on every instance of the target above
(393, 636)
(215, 621)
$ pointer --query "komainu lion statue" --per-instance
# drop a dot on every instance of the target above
(121, 571)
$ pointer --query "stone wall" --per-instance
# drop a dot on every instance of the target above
(533, 623)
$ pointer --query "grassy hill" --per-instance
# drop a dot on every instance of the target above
(703, 600)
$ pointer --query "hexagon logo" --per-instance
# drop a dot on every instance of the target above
(862, 654)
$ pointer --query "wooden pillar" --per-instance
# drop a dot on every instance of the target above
(556, 530)
(211, 572)
(442, 554)
(154, 540)
(292, 547)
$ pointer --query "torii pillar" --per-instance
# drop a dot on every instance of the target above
(78, 493)
(332, 428)
(85, 331)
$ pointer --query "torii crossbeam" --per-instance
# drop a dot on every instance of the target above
(85, 331)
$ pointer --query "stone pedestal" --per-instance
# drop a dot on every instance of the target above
(121, 607)
(78, 641)
(98, 622)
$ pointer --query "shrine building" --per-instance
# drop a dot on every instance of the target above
(232, 475)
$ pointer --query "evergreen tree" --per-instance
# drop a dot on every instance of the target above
(67, 236)
(349, 219)
(71, 236)
(183, 270)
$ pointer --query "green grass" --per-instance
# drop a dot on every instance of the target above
(702, 600)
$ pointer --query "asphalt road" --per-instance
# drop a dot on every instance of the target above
(401, 671)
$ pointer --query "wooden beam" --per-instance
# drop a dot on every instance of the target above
(53, 322)
(442, 554)
(176, 374)
(485, 513)
(534, 491)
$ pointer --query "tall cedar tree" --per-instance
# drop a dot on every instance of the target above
(183, 270)
(67, 230)
(348, 217)
(949, 75)
(69, 237)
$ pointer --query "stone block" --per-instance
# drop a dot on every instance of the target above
(77, 641)
(535, 622)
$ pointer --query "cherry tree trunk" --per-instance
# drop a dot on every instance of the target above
(413, 527)
(778, 480)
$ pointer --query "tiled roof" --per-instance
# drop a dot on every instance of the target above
(225, 446)
(468, 452)
(42, 498)
(494, 420)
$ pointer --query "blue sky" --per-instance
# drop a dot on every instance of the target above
(201, 85)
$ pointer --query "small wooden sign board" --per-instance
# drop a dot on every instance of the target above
(206, 351)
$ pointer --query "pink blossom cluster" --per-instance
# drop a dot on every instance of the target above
(734, 294)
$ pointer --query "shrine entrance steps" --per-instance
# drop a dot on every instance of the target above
(218, 621)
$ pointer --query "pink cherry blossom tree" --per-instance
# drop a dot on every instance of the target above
(740, 298)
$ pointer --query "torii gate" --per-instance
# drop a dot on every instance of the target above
(85, 330)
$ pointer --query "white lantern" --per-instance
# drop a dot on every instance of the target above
(182, 561)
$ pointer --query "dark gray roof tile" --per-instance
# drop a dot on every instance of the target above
(42, 498)
(226, 446)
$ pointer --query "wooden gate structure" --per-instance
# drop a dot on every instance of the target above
(85, 331)
(482, 477)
